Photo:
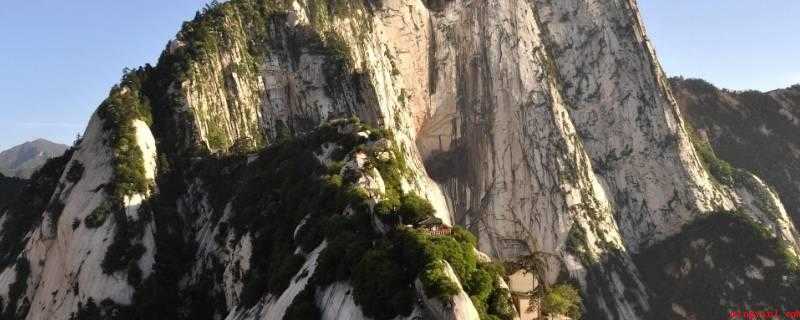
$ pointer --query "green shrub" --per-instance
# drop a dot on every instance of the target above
(562, 299)
(480, 284)
(377, 279)
(281, 279)
(55, 208)
(577, 244)
(387, 207)
(733, 243)
(23, 211)
(125, 104)
(107, 309)
(436, 5)
(413, 209)
(339, 65)
(501, 306)
(424, 255)
(303, 307)
(286, 186)
(10, 187)
(98, 216)
(16, 291)
(124, 251)
(460, 255)
(75, 172)
(464, 236)
(311, 236)
(436, 282)
(718, 168)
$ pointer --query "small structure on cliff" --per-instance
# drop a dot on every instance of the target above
(434, 226)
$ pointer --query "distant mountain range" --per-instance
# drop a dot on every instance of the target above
(22, 160)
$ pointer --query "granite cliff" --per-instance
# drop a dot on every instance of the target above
(316, 159)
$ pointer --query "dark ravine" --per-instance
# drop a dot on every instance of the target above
(685, 270)
(10, 187)
(322, 159)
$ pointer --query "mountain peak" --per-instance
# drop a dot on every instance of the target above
(23, 159)
(43, 141)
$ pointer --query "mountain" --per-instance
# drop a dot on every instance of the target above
(396, 159)
(22, 160)
(752, 130)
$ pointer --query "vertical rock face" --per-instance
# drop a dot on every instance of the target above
(504, 146)
(629, 123)
(545, 127)
(67, 254)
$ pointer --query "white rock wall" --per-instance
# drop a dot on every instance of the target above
(64, 257)
(222, 92)
(627, 118)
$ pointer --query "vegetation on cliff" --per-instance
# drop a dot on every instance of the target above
(611, 265)
(225, 47)
(562, 299)
(725, 173)
(285, 199)
(752, 130)
(701, 269)
(145, 94)
(125, 104)
(21, 215)
(17, 305)
(288, 186)
(24, 213)
(10, 188)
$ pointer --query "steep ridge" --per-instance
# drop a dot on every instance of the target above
(522, 178)
(216, 184)
(629, 123)
(752, 130)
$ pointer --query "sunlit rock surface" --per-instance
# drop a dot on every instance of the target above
(545, 127)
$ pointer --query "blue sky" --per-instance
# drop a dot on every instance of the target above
(58, 59)
(735, 44)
